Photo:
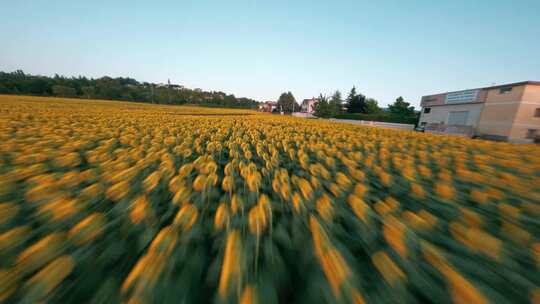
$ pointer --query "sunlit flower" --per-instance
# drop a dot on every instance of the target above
(186, 217)
(305, 188)
(88, 229)
(118, 191)
(231, 270)
(222, 217)
(227, 183)
(445, 191)
(391, 273)
(42, 283)
(257, 220)
(325, 208)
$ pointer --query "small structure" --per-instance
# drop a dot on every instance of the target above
(267, 106)
(177, 87)
(307, 105)
(509, 112)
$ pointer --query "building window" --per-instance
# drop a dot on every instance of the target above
(537, 112)
(458, 118)
(532, 133)
(505, 90)
(423, 123)
(427, 110)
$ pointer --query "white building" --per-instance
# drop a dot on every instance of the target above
(307, 105)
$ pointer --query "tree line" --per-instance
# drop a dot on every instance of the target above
(355, 106)
(120, 88)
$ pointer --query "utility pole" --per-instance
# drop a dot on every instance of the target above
(169, 91)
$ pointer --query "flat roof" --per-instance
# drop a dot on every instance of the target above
(513, 84)
(528, 82)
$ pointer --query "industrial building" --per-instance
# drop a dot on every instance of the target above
(508, 112)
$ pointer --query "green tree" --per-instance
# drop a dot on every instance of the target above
(4, 89)
(64, 91)
(323, 108)
(88, 92)
(287, 103)
(356, 103)
(38, 85)
(401, 108)
(335, 103)
(372, 106)
(120, 88)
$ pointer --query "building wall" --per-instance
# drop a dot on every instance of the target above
(532, 93)
(307, 106)
(312, 106)
(506, 114)
(440, 99)
(439, 114)
(494, 95)
(500, 111)
(525, 116)
(432, 100)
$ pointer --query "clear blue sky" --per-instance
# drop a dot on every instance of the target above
(259, 48)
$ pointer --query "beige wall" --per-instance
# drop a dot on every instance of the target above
(499, 111)
(532, 93)
(525, 118)
(510, 114)
(494, 95)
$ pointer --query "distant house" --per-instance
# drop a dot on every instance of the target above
(172, 86)
(344, 106)
(177, 87)
(267, 106)
(307, 105)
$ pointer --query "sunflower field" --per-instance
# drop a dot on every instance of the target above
(116, 202)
